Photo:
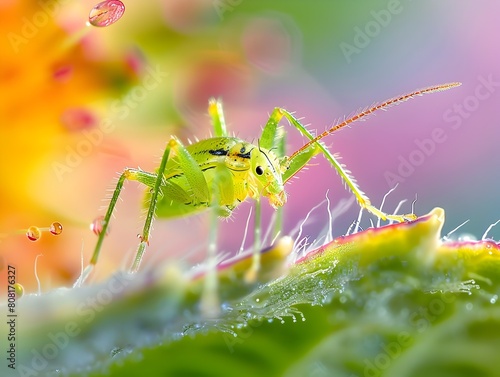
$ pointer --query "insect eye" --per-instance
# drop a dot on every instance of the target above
(259, 170)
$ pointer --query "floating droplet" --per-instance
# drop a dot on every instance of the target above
(106, 13)
(34, 233)
(19, 289)
(56, 228)
(98, 225)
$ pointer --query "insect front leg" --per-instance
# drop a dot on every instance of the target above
(272, 137)
(222, 188)
(300, 159)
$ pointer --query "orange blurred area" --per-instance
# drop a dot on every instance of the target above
(44, 71)
(73, 102)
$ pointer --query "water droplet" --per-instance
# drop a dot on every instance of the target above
(106, 13)
(282, 321)
(56, 228)
(34, 233)
(467, 237)
(19, 289)
(257, 299)
(97, 226)
(494, 299)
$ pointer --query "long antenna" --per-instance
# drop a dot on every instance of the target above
(381, 106)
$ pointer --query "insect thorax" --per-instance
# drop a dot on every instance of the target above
(233, 169)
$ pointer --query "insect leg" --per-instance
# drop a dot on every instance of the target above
(299, 160)
(128, 174)
(270, 134)
(280, 151)
(217, 114)
(272, 137)
(251, 274)
(221, 186)
(193, 175)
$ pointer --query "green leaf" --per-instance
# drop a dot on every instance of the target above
(391, 301)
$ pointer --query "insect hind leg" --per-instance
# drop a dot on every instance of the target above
(217, 114)
(130, 174)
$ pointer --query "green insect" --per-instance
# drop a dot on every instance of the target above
(221, 172)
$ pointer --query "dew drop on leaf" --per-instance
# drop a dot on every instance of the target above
(56, 228)
(33, 233)
(106, 13)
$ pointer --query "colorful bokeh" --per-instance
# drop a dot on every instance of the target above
(79, 103)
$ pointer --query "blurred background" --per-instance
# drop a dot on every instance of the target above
(80, 103)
